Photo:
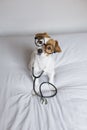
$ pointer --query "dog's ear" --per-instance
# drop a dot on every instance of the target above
(57, 47)
(43, 35)
(46, 35)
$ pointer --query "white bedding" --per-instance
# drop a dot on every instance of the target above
(19, 110)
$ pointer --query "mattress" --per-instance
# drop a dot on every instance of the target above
(20, 110)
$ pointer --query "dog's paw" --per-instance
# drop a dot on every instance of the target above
(33, 93)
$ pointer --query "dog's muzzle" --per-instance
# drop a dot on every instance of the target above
(40, 51)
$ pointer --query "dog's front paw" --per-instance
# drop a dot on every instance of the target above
(33, 93)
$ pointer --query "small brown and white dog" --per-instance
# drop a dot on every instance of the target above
(41, 58)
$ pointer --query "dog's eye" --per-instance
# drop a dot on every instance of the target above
(42, 41)
(49, 48)
(39, 42)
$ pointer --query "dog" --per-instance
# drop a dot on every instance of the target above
(41, 58)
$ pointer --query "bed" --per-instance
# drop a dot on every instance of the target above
(20, 110)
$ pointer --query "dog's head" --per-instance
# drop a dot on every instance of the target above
(45, 44)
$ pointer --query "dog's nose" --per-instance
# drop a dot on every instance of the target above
(40, 51)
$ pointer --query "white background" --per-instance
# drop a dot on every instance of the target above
(31, 16)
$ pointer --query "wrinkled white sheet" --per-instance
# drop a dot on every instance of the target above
(19, 110)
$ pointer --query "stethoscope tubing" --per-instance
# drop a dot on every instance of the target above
(40, 94)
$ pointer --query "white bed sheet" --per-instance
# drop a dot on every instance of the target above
(19, 110)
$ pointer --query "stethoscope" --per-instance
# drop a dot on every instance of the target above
(40, 94)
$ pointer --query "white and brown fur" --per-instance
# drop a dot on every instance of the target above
(44, 61)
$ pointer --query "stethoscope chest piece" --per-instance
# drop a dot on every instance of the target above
(43, 98)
